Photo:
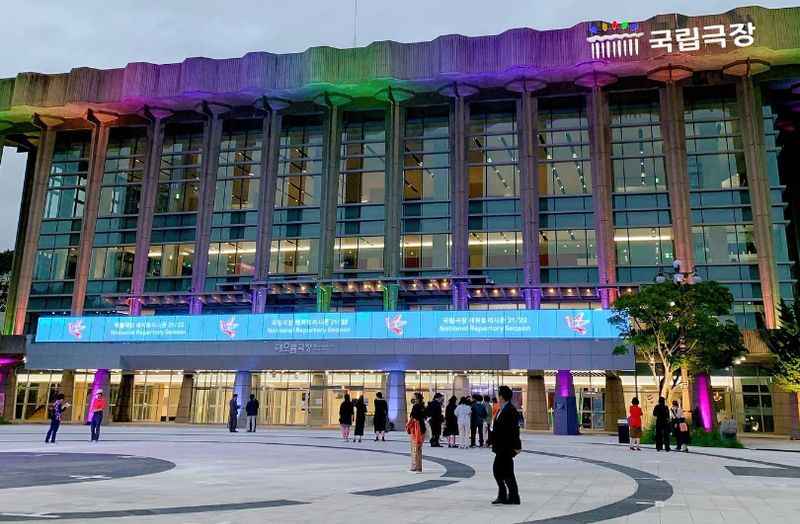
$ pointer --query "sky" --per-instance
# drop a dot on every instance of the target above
(53, 36)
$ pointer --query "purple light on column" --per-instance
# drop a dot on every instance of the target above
(564, 383)
(702, 383)
(102, 377)
(9, 361)
(395, 392)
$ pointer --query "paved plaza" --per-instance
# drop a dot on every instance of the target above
(204, 474)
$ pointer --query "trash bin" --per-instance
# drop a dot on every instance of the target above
(623, 431)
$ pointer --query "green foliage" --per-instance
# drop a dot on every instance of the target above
(6, 260)
(3, 420)
(672, 325)
(698, 438)
(784, 343)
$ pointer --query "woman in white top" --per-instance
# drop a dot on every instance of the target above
(463, 414)
(679, 426)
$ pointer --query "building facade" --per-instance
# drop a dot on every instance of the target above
(531, 170)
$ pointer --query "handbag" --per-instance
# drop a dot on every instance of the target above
(683, 427)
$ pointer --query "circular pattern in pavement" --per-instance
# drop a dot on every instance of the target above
(27, 469)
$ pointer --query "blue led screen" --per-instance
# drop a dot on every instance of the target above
(564, 323)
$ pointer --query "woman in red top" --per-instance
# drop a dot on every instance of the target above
(96, 415)
(635, 424)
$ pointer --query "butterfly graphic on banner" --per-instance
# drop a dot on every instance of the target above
(577, 323)
(396, 324)
(228, 327)
(76, 328)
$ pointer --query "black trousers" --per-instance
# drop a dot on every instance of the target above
(232, 423)
(473, 428)
(436, 432)
(503, 470)
(662, 437)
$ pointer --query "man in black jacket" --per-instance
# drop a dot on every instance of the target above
(435, 418)
(506, 444)
(251, 408)
(233, 413)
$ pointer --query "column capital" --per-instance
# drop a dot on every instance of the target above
(458, 90)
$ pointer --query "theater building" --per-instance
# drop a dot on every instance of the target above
(448, 216)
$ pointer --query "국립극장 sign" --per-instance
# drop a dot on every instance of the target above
(565, 323)
(625, 39)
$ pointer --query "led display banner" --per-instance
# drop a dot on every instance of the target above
(564, 323)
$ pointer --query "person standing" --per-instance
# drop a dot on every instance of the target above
(679, 426)
(416, 431)
(506, 445)
(451, 422)
(463, 416)
(661, 414)
(361, 418)
(233, 413)
(380, 417)
(55, 413)
(487, 422)
(251, 408)
(96, 409)
(346, 416)
(635, 424)
(434, 414)
(476, 422)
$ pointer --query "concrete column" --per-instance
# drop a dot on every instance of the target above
(673, 132)
(318, 408)
(565, 412)
(614, 401)
(124, 405)
(686, 393)
(536, 402)
(459, 185)
(330, 188)
(527, 118)
(269, 177)
(8, 387)
(147, 204)
(184, 414)
(242, 386)
(44, 158)
(396, 398)
(19, 244)
(461, 385)
(208, 185)
(748, 95)
(67, 387)
(97, 162)
(602, 178)
(460, 295)
(393, 205)
(258, 300)
(391, 295)
(102, 382)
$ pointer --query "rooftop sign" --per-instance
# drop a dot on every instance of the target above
(526, 324)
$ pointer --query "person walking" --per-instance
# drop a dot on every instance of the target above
(361, 418)
(435, 418)
(233, 413)
(451, 422)
(476, 422)
(661, 414)
(416, 431)
(680, 427)
(635, 424)
(251, 408)
(346, 416)
(463, 415)
(55, 413)
(506, 445)
(96, 409)
(381, 417)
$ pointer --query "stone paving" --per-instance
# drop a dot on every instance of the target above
(204, 474)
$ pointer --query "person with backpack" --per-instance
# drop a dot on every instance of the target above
(679, 427)
(476, 422)
(251, 408)
(54, 413)
(506, 445)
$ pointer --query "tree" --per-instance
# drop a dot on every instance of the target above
(671, 325)
(784, 343)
